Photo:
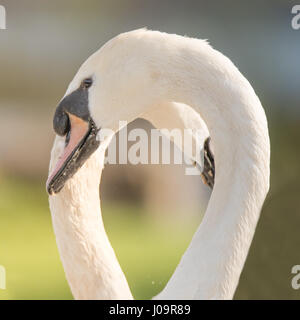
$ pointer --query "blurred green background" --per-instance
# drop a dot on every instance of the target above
(148, 222)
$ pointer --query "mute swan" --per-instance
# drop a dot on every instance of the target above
(123, 80)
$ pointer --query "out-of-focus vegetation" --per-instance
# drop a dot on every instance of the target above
(147, 250)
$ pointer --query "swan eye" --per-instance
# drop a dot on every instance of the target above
(86, 83)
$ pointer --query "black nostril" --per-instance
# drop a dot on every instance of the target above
(61, 123)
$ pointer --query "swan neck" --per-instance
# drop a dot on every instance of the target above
(211, 266)
(91, 267)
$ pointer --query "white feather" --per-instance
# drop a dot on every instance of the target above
(143, 73)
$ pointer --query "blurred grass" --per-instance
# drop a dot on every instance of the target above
(148, 251)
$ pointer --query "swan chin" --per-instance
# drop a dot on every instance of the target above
(80, 143)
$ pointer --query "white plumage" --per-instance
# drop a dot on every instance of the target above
(142, 73)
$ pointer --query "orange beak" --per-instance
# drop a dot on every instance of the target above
(80, 144)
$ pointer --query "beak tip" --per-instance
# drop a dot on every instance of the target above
(49, 188)
(49, 191)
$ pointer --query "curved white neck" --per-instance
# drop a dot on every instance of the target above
(89, 261)
(90, 264)
(207, 81)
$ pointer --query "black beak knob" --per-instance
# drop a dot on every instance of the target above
(61, 123)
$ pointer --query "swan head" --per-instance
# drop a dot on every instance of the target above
(114, 84)
(118, 83)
